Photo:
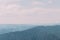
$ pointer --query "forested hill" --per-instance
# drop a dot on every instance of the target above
(36, 33)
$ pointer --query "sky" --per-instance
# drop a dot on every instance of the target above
(29, 11)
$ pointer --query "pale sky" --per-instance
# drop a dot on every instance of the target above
(29, 11)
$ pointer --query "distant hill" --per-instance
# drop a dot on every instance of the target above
(6, 28)
(36, 33)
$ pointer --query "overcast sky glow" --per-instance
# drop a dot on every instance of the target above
(29, 11)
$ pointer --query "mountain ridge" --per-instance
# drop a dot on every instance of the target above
(36, 33)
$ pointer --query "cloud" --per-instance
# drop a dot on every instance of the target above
(14, 13)
(50, 2)
(44, 3)
(38, 3)
(6, 1)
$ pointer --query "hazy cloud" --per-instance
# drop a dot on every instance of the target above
(27, 12)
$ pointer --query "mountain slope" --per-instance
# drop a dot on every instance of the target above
(37, 33)
(5, 28)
